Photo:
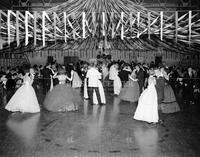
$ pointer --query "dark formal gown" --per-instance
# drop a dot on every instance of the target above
(130, 91)
(169, 104)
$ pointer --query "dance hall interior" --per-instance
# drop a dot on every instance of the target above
(99, 78)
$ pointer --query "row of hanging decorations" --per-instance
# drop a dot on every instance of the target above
(110, 20)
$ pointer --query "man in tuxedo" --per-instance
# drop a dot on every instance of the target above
(146, 75)
(140, 77)
(10, 86)
(35, 73)
(47, 73)
(160, 83)
(124, 74)
(188, 90)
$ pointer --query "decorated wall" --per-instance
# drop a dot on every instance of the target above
(170, 58)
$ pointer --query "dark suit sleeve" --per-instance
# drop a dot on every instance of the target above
(51, 72)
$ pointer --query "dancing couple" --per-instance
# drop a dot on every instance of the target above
(61, 98)
(158, 95)
(93, 88)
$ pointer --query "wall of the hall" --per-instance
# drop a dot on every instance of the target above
(170, 58)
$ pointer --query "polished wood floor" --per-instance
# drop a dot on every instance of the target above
(107, 131)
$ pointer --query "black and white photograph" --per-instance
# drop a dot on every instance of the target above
(99, 78)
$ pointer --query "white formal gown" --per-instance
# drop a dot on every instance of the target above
(113, 75)
(147, 109)
(24, 99)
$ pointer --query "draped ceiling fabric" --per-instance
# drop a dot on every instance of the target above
(106, 19)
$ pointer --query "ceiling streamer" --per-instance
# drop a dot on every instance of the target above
(108, 20)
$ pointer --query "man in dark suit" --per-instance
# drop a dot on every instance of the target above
(8, 73)
(124, 75)
(140, 76)
(47, 73)
(10, 86)
(160, 83)
(188, 90)
(36, 82)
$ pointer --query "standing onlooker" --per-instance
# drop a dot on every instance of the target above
(188, 91)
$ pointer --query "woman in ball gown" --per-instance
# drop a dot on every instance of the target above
(76, 80)
(169, 104)
(63, 97)
(131, 90)
(24, 99)
(113, 75)
(147, 109)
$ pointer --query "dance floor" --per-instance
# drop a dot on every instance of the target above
(107, 131)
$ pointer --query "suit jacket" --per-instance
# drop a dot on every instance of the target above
(140, 77)
(188, 80)
(124, 75)
(10, 84)
(35, 81)
(47, 73)
(160, 83)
